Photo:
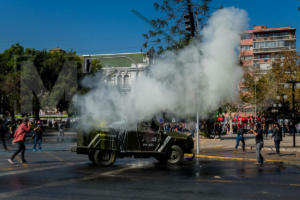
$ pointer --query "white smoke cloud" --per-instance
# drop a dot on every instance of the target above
(198, 78)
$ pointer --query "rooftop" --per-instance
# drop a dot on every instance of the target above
(264, 28)
(120, 59)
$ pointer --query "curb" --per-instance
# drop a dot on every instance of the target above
(282, 149)
(241, 159)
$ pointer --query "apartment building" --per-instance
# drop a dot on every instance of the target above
(260, 45)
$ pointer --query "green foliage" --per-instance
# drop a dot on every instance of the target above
(169, 31)
(270, 84)
(96, 66)
(48, 66)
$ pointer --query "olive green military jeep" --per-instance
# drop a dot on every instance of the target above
(104, 145)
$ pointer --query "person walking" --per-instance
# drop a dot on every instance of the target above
(3, 131)
(61, 133)
(259, 139)
(19, 137)
(218, 129)
(37, 137)
(269, 132)
(277, 137)
(240, 137)
(265, 130)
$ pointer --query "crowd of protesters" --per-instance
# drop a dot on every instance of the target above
(16, 131)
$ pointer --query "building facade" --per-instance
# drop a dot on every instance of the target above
(120, 69)
(260, 46)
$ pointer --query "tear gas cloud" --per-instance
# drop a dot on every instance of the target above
(198, 78)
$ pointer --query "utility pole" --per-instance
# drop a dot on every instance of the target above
(255, 101)
(293, 82)
(189, 19)
(190, 26)
(294, 117)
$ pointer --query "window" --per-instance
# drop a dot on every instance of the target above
(246, 36)
(265, 66)
(246, 47)
(246, 57)
(274, 34)
(271, 44)
(119, 81)
(126, 81)
(262, 56)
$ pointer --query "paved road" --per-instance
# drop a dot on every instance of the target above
(57, 173)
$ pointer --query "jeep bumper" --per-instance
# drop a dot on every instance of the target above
(80, 149)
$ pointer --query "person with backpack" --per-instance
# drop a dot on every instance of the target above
(240, 137)
(37, 136)
(19, 138)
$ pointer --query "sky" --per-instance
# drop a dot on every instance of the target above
(109, 26)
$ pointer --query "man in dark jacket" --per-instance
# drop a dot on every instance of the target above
(37, 136)
(259, 139)
(276, 133)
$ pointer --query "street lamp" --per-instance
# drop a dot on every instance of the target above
(294, 83)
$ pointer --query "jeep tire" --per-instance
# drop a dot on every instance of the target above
(175, 155)
(104, 157)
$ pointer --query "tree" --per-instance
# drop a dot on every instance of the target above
(10, 61)
(264, 87)
(48, 66)
(169, 31)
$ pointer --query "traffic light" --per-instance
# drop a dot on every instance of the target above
(189, 23)
(87, 65)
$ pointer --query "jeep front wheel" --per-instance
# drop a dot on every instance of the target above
(104, 157)
(175, 155)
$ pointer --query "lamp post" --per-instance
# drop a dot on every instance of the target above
(255, 99)
(293, 82)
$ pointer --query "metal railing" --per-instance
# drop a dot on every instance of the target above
(275, 49)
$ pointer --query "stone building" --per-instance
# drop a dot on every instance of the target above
(121, 69)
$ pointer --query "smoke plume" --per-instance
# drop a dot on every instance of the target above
(198, 78)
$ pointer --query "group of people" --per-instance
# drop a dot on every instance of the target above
(19, 136)
(259, 131)
(175, 127)
(18, 131)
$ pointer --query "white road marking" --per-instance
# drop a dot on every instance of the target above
(24, 171)
(69, 181)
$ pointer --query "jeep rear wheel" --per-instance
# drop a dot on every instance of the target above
(175, 155)
(104, 157)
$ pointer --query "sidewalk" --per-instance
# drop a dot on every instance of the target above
(223, 149)
(228, 142)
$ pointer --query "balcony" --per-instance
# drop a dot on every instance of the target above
(276, 49)
(286, 37)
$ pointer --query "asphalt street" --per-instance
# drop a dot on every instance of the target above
(57, 173)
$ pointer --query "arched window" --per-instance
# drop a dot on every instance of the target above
(119, 81)
(126, 81)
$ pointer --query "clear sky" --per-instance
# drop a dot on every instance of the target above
(108, 26)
